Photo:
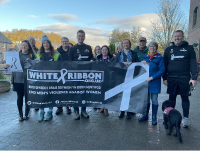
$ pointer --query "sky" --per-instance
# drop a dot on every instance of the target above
(96, 17)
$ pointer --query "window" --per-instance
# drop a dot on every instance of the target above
(195, 16)
(4, 45)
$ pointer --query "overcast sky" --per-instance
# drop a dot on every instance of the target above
(97, 17)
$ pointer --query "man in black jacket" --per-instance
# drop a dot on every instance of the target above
(181, 70)
(64, 54)
(80, 52)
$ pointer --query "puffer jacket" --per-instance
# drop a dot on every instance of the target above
(110, 58)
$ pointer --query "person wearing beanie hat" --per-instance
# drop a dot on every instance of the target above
(47, 53)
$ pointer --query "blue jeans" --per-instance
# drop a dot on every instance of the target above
(77, 109)
(50, 108)
(154, 98)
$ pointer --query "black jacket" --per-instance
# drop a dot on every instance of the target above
(64, 54)
(110, 58)
(134, 57)
(81, 53)
(180, 61)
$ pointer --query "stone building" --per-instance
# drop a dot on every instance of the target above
(5, 44)
(194, 26)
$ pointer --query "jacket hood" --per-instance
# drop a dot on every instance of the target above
(184, 43)
(137, 49)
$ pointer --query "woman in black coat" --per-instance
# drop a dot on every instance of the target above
(126, 56)
(105, 56)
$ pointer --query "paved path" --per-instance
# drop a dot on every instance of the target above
(98, 132)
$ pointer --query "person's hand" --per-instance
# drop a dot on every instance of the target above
(129, 63)
(165, 82)
(6, 65)
(28, 59)
(194, 82)
(91, 60)
(149, 79)
(144, 62)
(37, 59)
(125, 63)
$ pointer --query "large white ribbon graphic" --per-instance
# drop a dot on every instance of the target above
(62, 76)
(14, 60)
(173, 57)
(128, 84)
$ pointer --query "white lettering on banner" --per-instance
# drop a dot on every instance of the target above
(173, 57)
(128, 84)
(65, 75)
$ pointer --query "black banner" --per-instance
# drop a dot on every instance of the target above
(91, 84)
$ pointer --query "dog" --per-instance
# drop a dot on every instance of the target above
(172, 118)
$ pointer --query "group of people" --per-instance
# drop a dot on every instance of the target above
(178, 68)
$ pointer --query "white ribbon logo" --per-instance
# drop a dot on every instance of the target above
(62, 76)
(128, 84)
(14, 60)
(173, 57)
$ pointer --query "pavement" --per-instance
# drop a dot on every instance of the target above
(96, 133)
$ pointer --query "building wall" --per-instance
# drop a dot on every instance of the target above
(2, 50)
(194, 32)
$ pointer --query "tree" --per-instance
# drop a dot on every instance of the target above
(112, 48)
(170, 19)
(117, 36)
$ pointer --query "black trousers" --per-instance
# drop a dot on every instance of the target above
(20, 96)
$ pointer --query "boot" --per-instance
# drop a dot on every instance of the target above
(21, 116)
(128, 116)
(106, 112)
(146, 115)
(121, 114)
(26, 117)
(59, 110)
(68, 110)
(102, 110)
(41, 117)
(154, 114)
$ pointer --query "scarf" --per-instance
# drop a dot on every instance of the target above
(151, 56)
(129, 56)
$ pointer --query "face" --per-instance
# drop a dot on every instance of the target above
(70, 45)
(178, 37)
(32, 41)
(104, 51)
(126, 44)
(98, 50)
(152, 49)
(25, 47)
(65, 42)
(80, 37)
(142, 44)
(46, 45)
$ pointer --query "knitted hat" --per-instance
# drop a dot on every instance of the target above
(44, 37)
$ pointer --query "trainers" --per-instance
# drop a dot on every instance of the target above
(68, 110)
(185, 122)
(84, 114)
(26, 117)
(77, 116)
(48, 116)
(59, 110)
(20, 117)
(41, 117)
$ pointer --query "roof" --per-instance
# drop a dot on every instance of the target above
(4, 39)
